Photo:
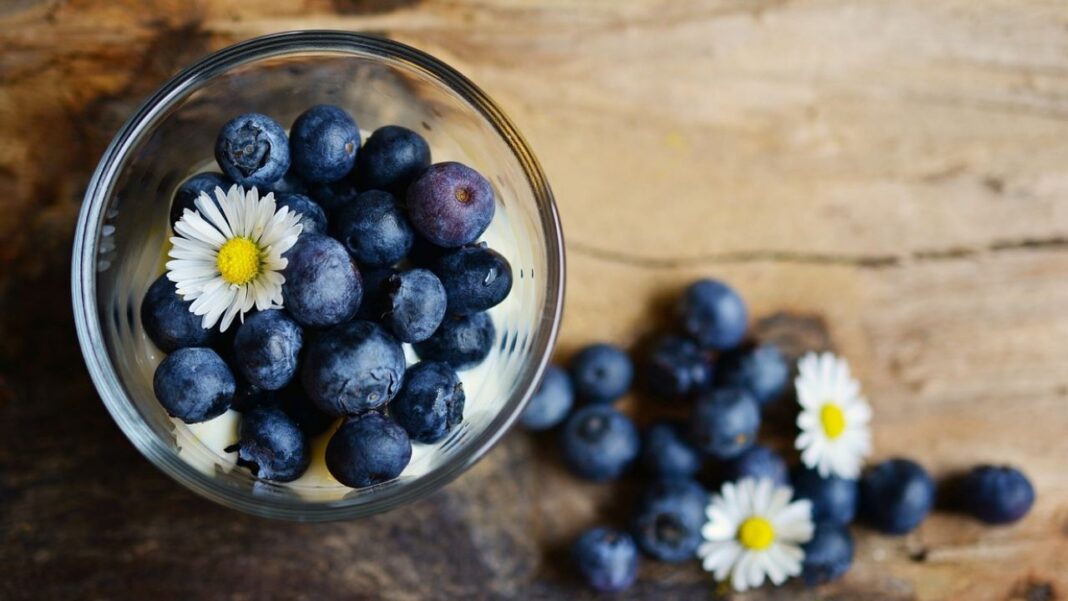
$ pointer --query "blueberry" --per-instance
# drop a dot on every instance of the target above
(252, 150)
(762, 370)
(606, 559)
(601, 373)
(294, 401)
(713, 314)
(430, 402)
(189, 191)
(551, 403)
(323, 141)
(168, 321)
(833, 499)
(312, 216)
(223, 343)
(322, 286)
(997, 494)
(271, 446)
(599, 442)
(414, 305)
(334, 196)
(266, 349)
(290, 183)
(391, 158)
(451, 204)
(425, 253)
(374, 229)
(353, 367)
(896, 495)
(724, 422)
(476, 278)
(758, 462)
(461, 341)
(246, 396)
(368, 449)
(670, 514)
(667, 452)
(828, 554)
(375, 294)
(194, 384)
(677, 368)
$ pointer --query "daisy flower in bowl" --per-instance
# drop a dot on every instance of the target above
(834, 420)
(227, 255)
(754, 532)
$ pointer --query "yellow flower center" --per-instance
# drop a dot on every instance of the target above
(239, 261)
(833, 419)
(756, 534)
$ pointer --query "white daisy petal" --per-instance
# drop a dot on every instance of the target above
(287, 242)
(787, 564)
(755, 569)
(774, 571)
(792, 556)
(233, 309)
(182, 253)
(225, 295)
(718, 558)
(233, 208)
(823, 465)
(187, 244)
(179, 272)
(728, 495)
(780, 498)
(221, 194)
(762, 491)
(811, 453)
(848, 389)
(794, 522)
(274, 262)
(212, 294)
(747, 495)
(719, 528)
(219, 220)
(214, 307)
(273, 279)
(827, 366)
(844, 464)
(193, 274)
(740, 572)
(273, 229)
(193, 227)
(859, 412)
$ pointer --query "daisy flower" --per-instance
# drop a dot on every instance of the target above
(755, 532)
(835, 437)
(227, 257)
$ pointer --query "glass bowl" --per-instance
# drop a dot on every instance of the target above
(122, 232)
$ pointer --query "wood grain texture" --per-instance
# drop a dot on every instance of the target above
(888, 178)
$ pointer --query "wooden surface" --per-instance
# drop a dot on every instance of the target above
(886, 177)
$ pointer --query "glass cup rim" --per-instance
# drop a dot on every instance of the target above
(91, 217)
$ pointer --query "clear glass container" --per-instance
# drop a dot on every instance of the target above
(119, 247)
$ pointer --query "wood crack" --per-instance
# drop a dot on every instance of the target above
(863, 261)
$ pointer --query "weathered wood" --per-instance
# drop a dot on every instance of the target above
(885, 177)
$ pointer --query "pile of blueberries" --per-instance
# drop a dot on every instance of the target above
(388, 255)
(726, 381)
